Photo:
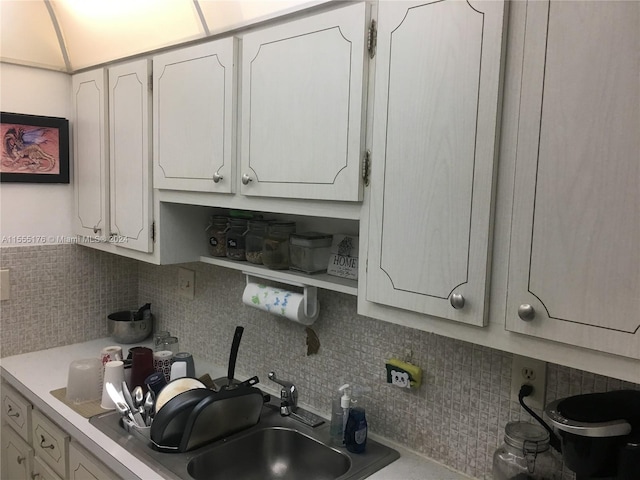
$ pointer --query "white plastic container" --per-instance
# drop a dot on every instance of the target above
(309, 252)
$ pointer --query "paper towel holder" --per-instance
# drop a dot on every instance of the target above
(310, 292)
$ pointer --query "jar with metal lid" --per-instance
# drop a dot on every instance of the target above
(275, 250)
(217, 235)
(236, 248)
(255, 240)
(525, 454)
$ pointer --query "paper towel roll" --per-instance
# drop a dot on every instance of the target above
(277, 301)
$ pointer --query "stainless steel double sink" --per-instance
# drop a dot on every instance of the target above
(276, 448)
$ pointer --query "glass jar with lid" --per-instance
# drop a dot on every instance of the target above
(217, 235)
(255, 240)
(236, 248)
(525, 454)
(275, 249)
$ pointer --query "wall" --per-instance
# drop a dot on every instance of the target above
(61, 294)
(35, 209)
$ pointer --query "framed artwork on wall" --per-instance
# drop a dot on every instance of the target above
(35, 149)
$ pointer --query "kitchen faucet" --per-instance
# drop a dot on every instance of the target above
(289, 403)
(288, 395)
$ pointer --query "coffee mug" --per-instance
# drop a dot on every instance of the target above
(111, 353)
(187, 358)
(155, 382)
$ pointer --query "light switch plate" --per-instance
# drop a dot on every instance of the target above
(5, 286)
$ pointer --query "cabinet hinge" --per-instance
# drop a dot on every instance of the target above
(372, 39)
(366, 167)
(151, 83)
(153, 231)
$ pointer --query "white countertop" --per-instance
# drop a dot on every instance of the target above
(36, 374)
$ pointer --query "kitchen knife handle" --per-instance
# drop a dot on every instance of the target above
(237, 336)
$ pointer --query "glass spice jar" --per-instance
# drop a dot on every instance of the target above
(217, 235)
(275, 250)
(255, 239)
(525, 454)
(236, 239)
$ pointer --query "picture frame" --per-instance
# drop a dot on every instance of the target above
(35, 149)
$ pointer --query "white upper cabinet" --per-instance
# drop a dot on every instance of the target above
(194, 118)
(130, 155)
(436, 113)
(302, 102)
(91, 153)
(574, 271)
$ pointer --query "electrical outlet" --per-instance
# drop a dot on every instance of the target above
(532, 372)
(186, 283)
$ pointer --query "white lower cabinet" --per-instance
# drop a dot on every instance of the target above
(44, 451)
(83, 466)
(50, 443)
(17, 456)
(42, 471)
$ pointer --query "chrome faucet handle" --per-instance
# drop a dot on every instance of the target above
(288, 393)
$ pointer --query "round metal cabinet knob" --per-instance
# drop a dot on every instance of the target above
(217, 177)
(246, 179)
(457, 301)
(526, 312)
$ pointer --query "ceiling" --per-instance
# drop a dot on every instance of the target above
(71, 35)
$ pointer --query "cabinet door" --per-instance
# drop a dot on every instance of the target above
(41, 470)
(436, 111)
(17, 456)
(302, 107)
(50, 443)
(91, 154)
(194, 118)
(130, 155)
(574, 273)
(83, 466)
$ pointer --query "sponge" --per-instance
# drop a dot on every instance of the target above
(403, 374)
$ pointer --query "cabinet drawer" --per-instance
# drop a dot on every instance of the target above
(50, 443)
(84, 466)
(41, 470)
(16, 411)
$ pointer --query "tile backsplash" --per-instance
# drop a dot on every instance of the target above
(61, 295)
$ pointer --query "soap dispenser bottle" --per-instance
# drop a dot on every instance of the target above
(355, 434)
(339, 415)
